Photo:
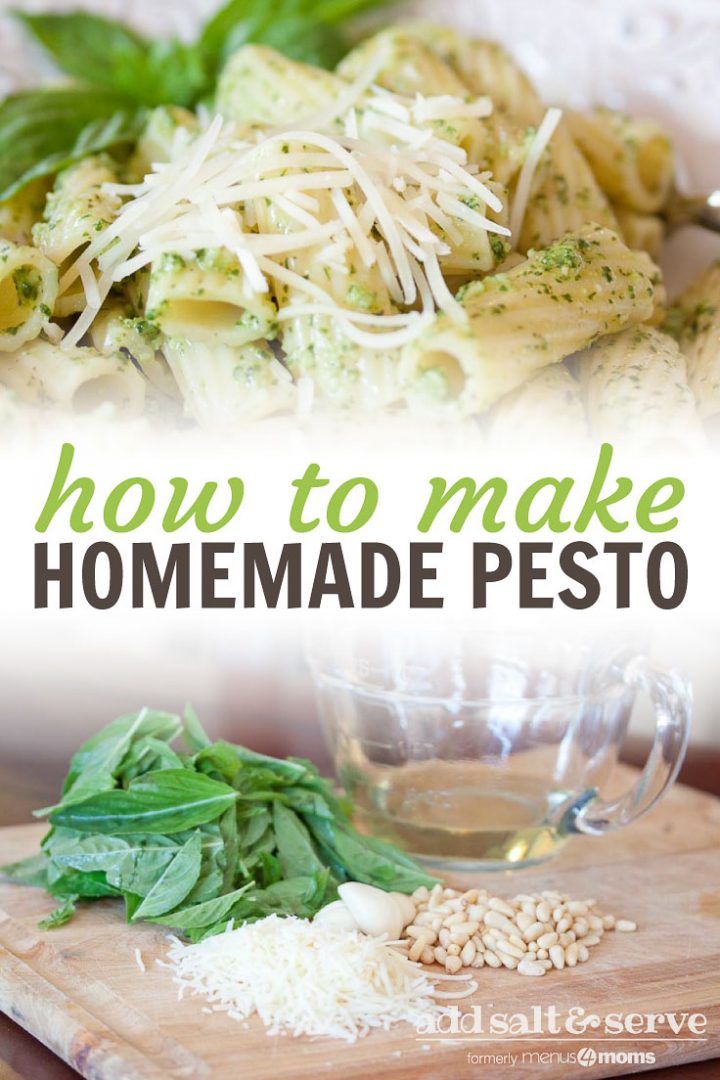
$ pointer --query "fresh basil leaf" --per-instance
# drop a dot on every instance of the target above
(194, 734)
(107, 54)
(175, 882)
(98, 762)
(32, 871)
(295, 850)
(60, 915)
(199, 916)
(147, 755)
(364, 863)
(304, 39)
(63, 881)
(159, 802)
(131, 864)
(44, 131)
(231, 847)
(93, 49)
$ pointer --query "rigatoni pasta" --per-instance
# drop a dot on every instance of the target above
(694, 320)
(549, 401)
(223, 386)
(414, 230)
(557, 301)
(632, 159)
(79, 380)
(636, 390)
(28, 290)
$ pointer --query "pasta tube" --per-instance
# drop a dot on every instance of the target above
(116, 331)
(403, 64)
(79, 379)
(632, 159)
(28, 290)
(206, 298)
(641, 232)
(19, 213)
(555, 302)
(261, 86)
(548, 402)
(635, 389)
(694, 320)
(77, 209)
(224, 386)
(564, 194)
(168, 129)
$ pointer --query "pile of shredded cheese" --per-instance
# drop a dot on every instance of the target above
(303, 978)
(396, 203)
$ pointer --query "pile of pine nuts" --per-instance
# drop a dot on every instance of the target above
(528, 934)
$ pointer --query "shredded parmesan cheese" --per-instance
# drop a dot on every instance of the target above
(396, 192)
(303, 978)
(527, 174)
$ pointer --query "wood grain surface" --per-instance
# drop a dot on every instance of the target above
(80, 991)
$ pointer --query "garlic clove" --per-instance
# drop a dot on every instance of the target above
(407, 906)
(336, 915)
(377, 913)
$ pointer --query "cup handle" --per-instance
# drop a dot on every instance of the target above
(671, 697)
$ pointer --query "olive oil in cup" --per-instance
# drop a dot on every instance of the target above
(475, 783)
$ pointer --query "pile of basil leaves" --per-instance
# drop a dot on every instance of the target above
(198, 837)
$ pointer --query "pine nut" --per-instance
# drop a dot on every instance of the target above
(444, 937)
(476, 912)
(456, 906)
(567, 939)
(417, 949)
(440, 954)
(518, 941)
(576, 907)
(542, 954)
(583, 953)
(479, 961)
(453, 949)
(453, 965)
(625, 926)
(523, 920)
(492, 960)
(427, 956)
(546, 940)
(468, 954)
(499, 922)
(580, 927)
(459, 939)
(509, 950)
(534, 932)
(421, 893)
(471, 896)
(595, 923)
(530, 968)
(590, 940)
(571, 955)
(533, 947)
(499, 905)
(609, 922)
(416, 932)
(424, 918)
(543, 912)
(510, 962)
(529, 908)
(558, 913)
(557, 956)
(451, 893)
(564, 924)
(468, 928)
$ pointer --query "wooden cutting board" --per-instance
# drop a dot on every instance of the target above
(79, 988)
